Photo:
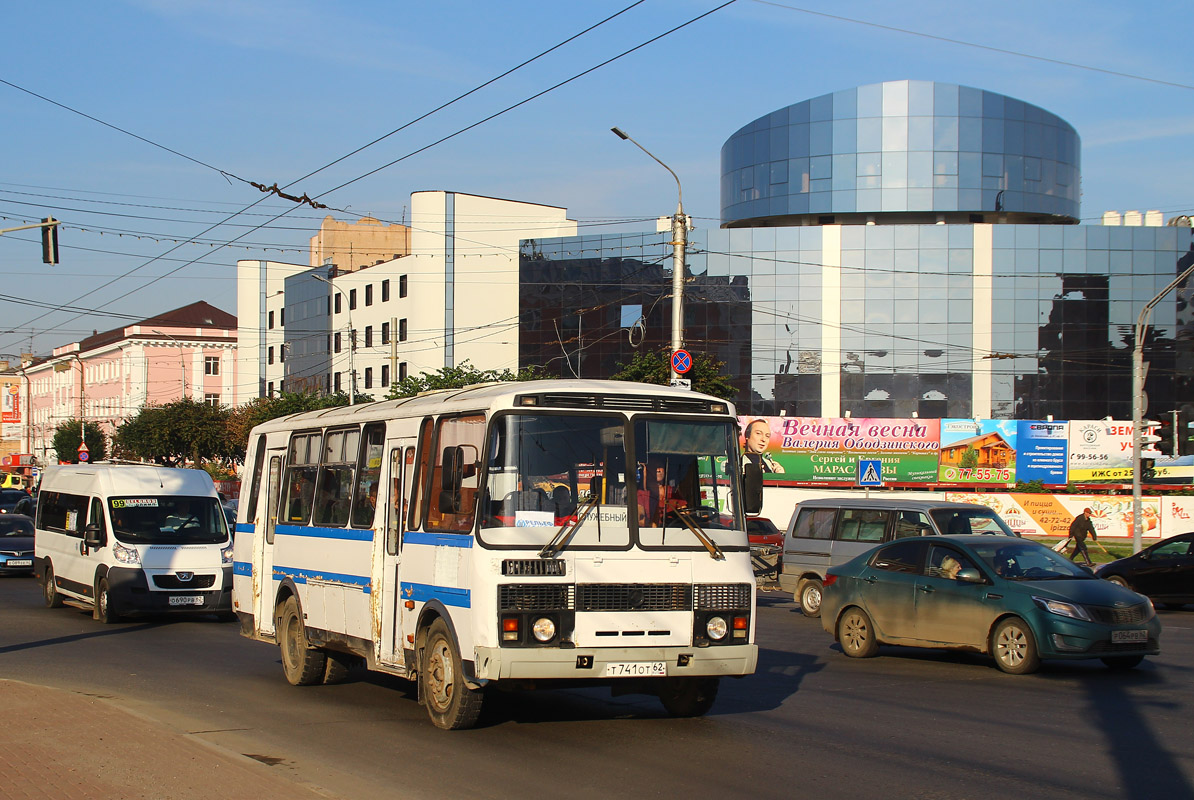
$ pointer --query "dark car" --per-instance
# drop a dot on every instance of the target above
(16, 545)
(762, 533)
(1011, 598)
(1164, 572)
(9, 499)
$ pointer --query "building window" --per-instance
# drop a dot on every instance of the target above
(385, 290)
(211, 399)
(337, 301)
(269, 356)
(282, 352)
(369, 294)
(402, 330)
(368, 377)
(368, 336)
(337, 382)
(385, 333)
(402, 286)
(385, 375)
(269, 392)
(401, 372)
(282, 313)
(337, 337)
(352, 299)
(211, 365)
(271, 320)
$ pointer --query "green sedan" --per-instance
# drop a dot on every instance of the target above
(1012, 598)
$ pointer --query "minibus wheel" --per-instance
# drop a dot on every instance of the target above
(103, 604)
(451, 704)
(49, 590)
(302, 664)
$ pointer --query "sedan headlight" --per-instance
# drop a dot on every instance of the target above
(125, 555)
(1062, 608)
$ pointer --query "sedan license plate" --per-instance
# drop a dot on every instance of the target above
(19, 562)
(636, 669)
(186, 600)
(1125, 637)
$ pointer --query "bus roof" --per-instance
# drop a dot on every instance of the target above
(620, 395)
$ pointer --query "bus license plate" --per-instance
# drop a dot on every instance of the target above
(1121, 637)
(186, 600)
(636, 669)
(20, 562)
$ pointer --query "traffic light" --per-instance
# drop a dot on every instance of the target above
(1149, 438)
(49, 241)
(1148, 470)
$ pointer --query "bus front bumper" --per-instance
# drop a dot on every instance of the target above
(610, 663)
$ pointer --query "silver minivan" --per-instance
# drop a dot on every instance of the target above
(831, 531)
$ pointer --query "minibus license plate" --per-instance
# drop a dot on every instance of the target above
(186, 600)
(1120, 637)
(20, 562)
(636, 669)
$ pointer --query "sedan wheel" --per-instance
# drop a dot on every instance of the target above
(1118, 581)
(1014, 647)
(857, 634)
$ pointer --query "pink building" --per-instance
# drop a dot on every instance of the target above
(109, 377)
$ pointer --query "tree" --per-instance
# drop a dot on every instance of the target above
(457, 378)
(655, 367)
(262, 409)
(173, 433)
(969, 459)
(67, 439)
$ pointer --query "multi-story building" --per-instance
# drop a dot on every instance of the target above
(109, 377)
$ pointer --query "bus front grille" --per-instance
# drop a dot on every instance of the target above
(633, 597)
(536, 597)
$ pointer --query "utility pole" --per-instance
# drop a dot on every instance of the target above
(679, 245)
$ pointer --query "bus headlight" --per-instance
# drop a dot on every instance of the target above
(716, 628)
(125, 555)
(544, 629)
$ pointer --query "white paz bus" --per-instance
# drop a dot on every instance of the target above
(547, 532)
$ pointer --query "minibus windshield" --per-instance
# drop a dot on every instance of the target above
(167, 519)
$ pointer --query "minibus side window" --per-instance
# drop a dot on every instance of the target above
(334, 495)
(301, 466)
(814, 523)
(364, 503)
(65, 513)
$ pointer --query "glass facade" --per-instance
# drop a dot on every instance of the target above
(308, 330)
(901, 147)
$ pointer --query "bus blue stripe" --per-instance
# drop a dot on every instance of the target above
(245, 527)
(365, 535)
(242, 568)
(438, 539)
(422, 592)
(303, 575)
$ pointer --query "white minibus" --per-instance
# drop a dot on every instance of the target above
(514, 534)
(124, 539)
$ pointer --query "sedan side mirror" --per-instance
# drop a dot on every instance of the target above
(970, 575)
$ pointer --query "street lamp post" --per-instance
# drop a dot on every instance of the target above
(352, 341)
(1138, 395)
(679, 244)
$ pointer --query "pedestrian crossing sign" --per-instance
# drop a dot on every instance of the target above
(870, 472)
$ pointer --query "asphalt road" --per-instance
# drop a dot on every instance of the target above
(811, 722)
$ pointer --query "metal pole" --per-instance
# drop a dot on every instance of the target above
(1175, 452)
(679, 245)
(1138, 397)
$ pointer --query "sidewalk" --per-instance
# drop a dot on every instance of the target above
(70, 746)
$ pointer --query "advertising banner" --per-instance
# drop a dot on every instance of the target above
(828, 449)
(1051, 514)
(978, 451)
(1041, 451)
(1100, 450)
(11, 411)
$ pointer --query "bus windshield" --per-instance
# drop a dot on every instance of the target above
(550, 470)
(168, 519)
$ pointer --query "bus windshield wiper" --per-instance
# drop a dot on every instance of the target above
(702, 537)
(568, 529)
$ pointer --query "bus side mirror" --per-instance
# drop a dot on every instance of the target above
(752, 487)
(93, 536)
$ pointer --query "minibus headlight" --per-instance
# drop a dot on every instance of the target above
(544, 629)
(226, 554)
(125, 555)
(716, 628)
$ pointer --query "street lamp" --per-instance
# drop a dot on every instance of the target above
(352, 341)
(182, 363)
(679, 243)
(1138, 393)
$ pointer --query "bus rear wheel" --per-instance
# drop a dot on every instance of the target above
(451, 704)
(688, 697)
(302, 664)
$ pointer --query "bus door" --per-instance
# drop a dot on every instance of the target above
(401, 458)
(263, 542)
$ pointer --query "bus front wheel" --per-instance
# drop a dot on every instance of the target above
(302, 664)
(451, 704)
(688, 697)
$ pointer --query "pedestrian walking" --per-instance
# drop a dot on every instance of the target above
(1079, 528)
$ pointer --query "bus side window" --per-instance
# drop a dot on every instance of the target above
(394, 523)
(333, 496)
(302, 463)
(258, 466)
(456, 476)
(418, 488)
(364, 503)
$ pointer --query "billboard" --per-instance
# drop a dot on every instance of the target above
(11, 412)
(1051, 514)
(1100, 450)
(814, 449)
(978, 451)
(1041, 451)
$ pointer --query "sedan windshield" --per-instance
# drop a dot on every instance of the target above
(1027, 561)
(168, 520)
(15, 526)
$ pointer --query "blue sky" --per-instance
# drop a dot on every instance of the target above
(269, 91)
